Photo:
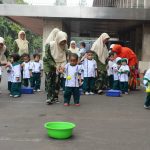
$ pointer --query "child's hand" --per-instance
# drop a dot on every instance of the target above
(17, 78)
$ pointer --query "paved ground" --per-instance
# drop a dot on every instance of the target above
(103, 123)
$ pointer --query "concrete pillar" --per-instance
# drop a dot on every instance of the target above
(48, 26)
(146, 43)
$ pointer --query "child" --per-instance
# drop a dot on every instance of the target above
(110, 70)
(73, 81)
(16, 76)
(27, 68)
(37, 72)
(124, 72)
(90, 72)
(115, 68)
(146, 81)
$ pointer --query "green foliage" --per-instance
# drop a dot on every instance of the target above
(20, 2)
(9, 31)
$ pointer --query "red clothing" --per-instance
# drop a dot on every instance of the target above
(125, 52)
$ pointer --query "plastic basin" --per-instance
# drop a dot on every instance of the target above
(59, 130)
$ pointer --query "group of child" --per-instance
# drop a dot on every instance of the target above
(23, 72)
(118, 73)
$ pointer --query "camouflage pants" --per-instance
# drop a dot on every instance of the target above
(52, 85)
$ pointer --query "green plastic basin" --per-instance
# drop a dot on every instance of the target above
(59, 130)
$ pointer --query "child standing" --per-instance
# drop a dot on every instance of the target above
(146, 81)
(16, 76)
(110, 70)
(27, 68)
(37, 72)
(115, 68)
(73, 81)
(90, 73)
(124, 72)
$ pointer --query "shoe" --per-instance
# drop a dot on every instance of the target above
(11, 95)
(34, 90)
(91, 93)
(146, 107)
(126, 93)
(100, 92)
(38, 90)
(49, 102)
(66, 104)
(77, 104)
(87, 93)
(16, 96)
(57, 101)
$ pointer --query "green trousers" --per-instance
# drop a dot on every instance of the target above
(26, 82)
(124, 86)
(16, 88)
(116, 85)
(72, 91)
(9, 86)
(36, 80)
(111, 81)
(147, 102)
(89, 84)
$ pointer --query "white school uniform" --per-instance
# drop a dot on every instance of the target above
(115, 69)
(110, 68)
(26, 70)
(89, 67)
(146, 78)
(37, 67)
(73, 72)
(16, 72)
(9, 74)
(124, 76)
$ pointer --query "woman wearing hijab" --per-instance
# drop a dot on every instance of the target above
(125, 52)
(101, 55)
(20, 45)
(73, 47)
(54, 60)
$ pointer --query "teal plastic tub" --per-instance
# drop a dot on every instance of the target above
(59, 130)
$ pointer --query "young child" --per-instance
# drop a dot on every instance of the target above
(90, 72)
(73, 80)
(27, 69)
(110, 70)
(16, 76)
(146, 81)
(37, 72)
(115, 68)
(124, 72)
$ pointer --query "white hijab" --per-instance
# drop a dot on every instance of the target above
(57, 52)
(22, 44)
(100, 48)
(2, 50)
(52, 35)
(73, 50)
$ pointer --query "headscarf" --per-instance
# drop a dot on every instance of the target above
(22, 44)
(125, 52)
(2, 50)
(74, 50)
(100, 48)
(52, 35)
(57, 52)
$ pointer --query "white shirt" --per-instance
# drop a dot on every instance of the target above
(37, 67)
(16, 72)
(146, 77)
(26, 70)
(115, 69)
(110, 67)
(73, 72)
(89, 67)
(9, 74)
(124, 76)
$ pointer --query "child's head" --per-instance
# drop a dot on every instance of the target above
(124, 61)
(15, 57)
(36, 57)
(89, 55)
(73, 59)
(26, 57)
(82, 45)
(118, 60)
(111, 56)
